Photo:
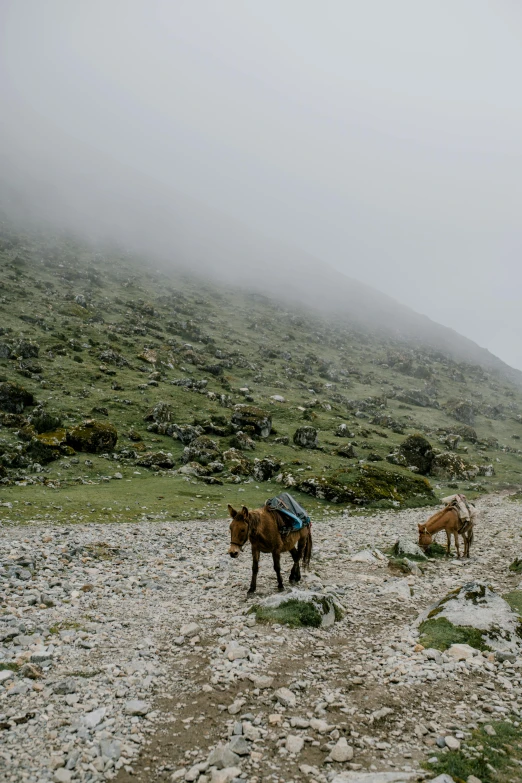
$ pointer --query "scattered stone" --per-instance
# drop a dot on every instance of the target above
(137, 707)
(285, 697)
(341, 751)
(294, 744)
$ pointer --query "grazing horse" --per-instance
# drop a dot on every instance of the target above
(448, 520)
(262, 528)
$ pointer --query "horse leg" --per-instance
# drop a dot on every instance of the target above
(294, 573)
(456, 536)
(276, 556)
(255, 569)
(448, 547)
(300, 553)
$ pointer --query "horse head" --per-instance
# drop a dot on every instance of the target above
(239, 530)
(425, 537)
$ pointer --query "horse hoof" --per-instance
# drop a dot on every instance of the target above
(280, 588)
(251, 591)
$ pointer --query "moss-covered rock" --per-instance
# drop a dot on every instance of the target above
(299, 608)
(466, 433)
(14, 398)
(414, 452)
(306, 437)
(93, 436)
(202, 450)
(452, 466)
(113, 357)
(461, 410)
(472, 614)
(48, 446)
(415, 397)
(44, 421)
(156, 459)
(249, 418)
(242, 441)
(368, 484)
(25, 349)
(347, 450)
(265, 469)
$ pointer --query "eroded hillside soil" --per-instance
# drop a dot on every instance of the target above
(125, 693)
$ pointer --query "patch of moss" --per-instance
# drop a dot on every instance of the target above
(436, 550)
(65, 625)
(488, 758)
(441, 634)
(12, 667)
(516, 565)
(296, 614)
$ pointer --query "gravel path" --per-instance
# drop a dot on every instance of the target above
(126, 652)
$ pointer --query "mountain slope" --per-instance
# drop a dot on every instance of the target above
(166, 358)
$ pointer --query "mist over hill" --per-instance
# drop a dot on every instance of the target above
(169, 229)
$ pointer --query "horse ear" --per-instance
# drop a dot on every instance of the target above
(245, 511)
(232, 511)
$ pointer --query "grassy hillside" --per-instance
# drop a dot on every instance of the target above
(163, 360)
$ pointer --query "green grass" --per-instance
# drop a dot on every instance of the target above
(13, 667)
(65, 625)
(260, 345)
(294, 613)
(514, 599)
(435, 551)
(441, 634)
(482, 750)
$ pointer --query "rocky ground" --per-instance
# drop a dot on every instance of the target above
(128, 653)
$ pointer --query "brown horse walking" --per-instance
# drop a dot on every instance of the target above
(262, 528)
(448, 520)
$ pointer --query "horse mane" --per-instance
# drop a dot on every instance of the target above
(254, 517)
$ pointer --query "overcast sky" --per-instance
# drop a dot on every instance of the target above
(383, 137)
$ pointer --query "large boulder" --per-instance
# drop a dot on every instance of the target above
(93, 436)
(472, 614)
(44, 421)
(49, 446)
(14, 398)
(346, 450)
(418, 398)
(252, 420)
(299, 607)
(25, 349)
(452, 466)
(405, 547)
(113, 357)
(265, 469)
(202, 450)
(242, 441)
(156, 459)
(414, 452)
(161, 413)
(368, 484)
(306, 438)
(462, 410)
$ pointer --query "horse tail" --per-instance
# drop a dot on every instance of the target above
(307, 553)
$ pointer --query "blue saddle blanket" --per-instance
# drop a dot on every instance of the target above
(290, 509)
